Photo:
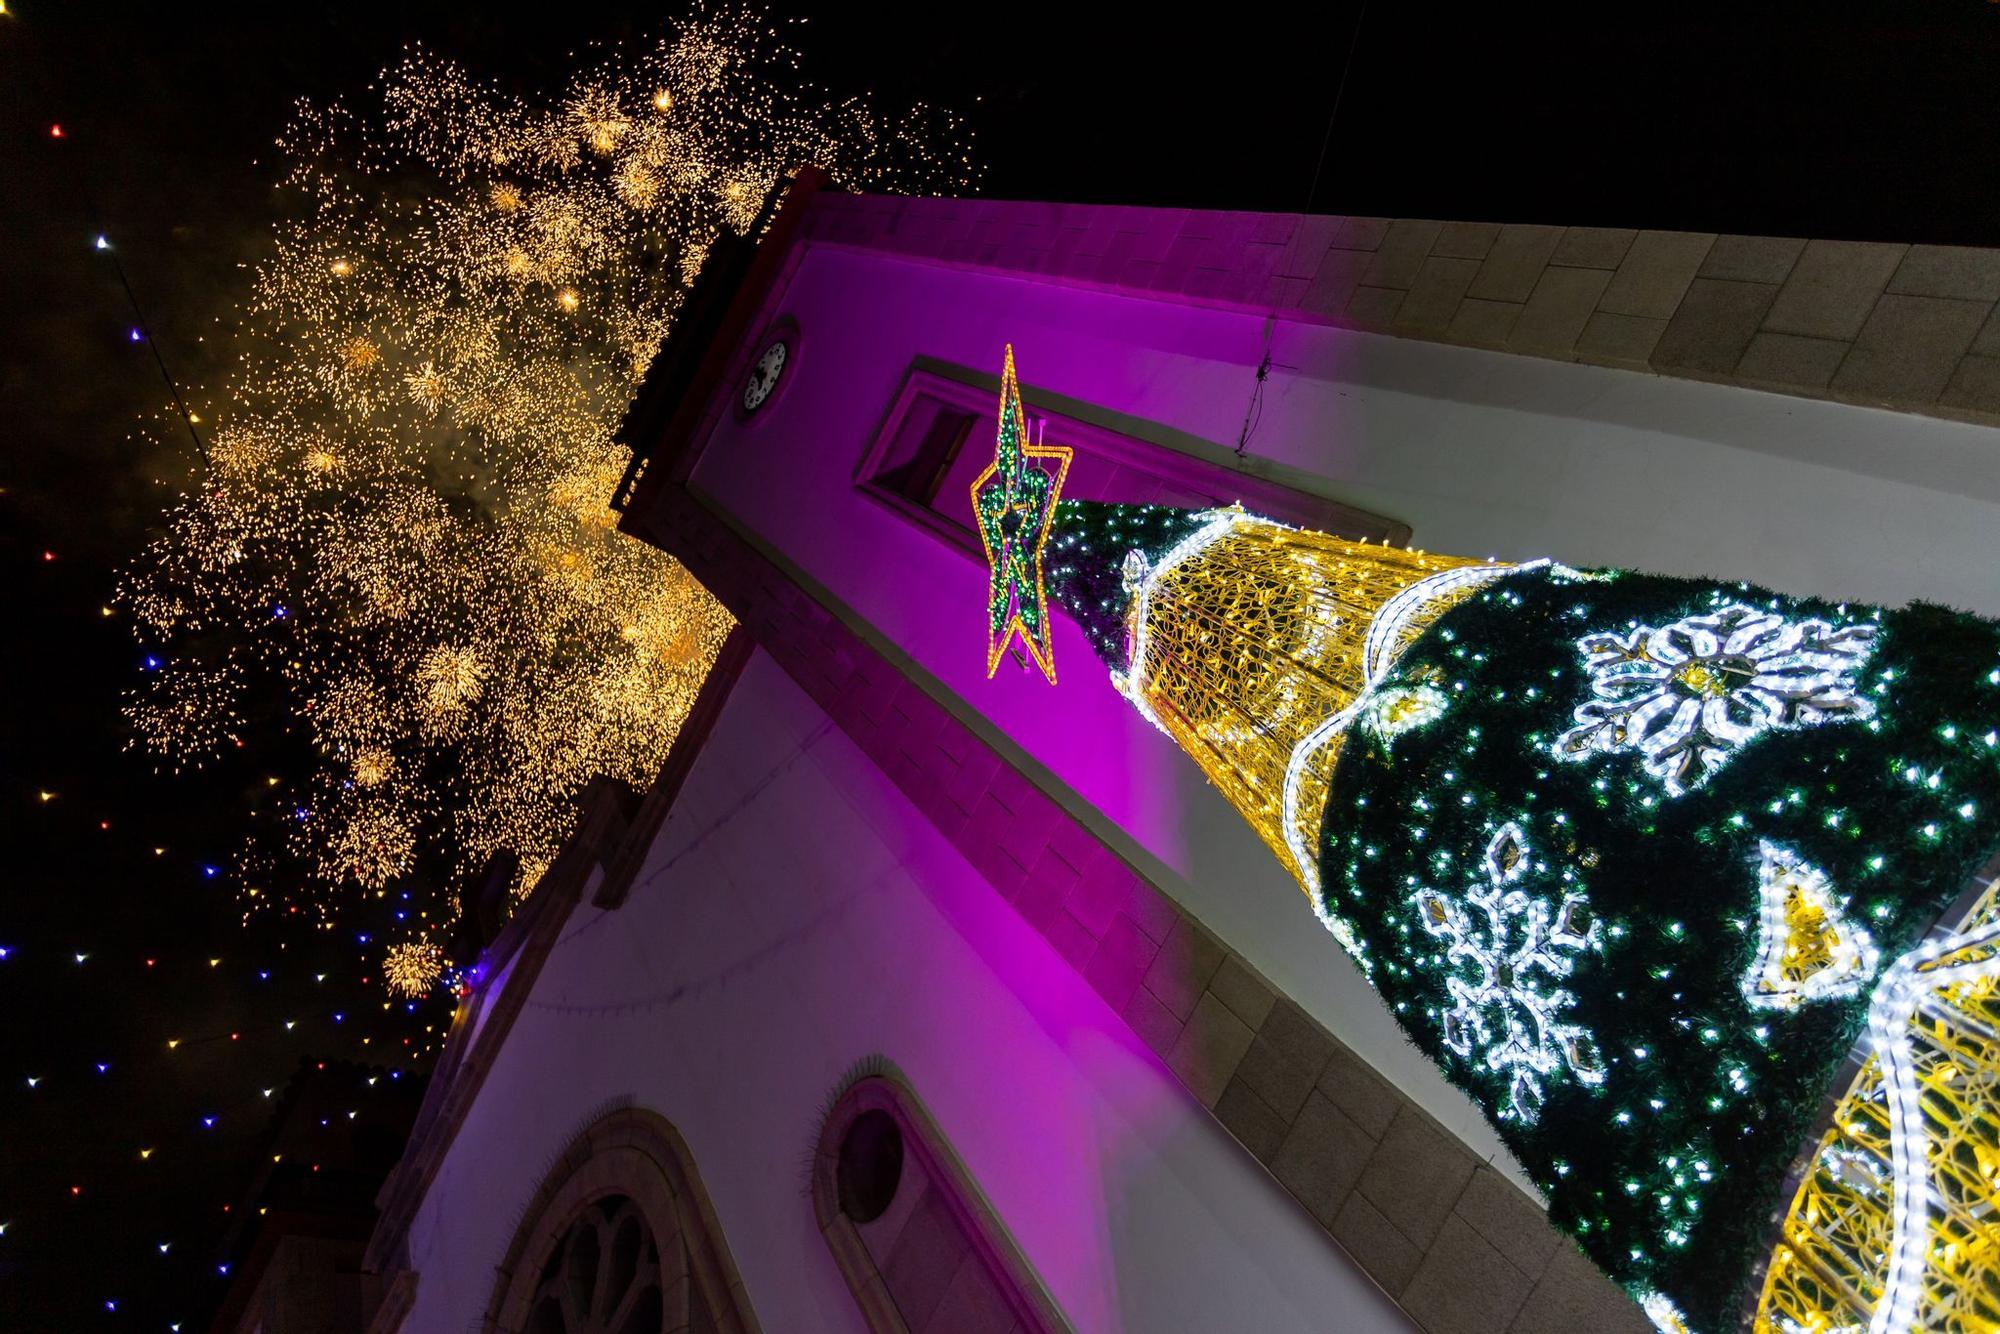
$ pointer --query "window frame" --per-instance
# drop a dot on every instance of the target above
(970, 391)
(925, 1147)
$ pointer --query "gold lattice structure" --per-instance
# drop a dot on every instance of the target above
(1896, 1222)
(1253, 645)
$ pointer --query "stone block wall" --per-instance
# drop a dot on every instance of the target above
(1459, 1246)
(1912, 328)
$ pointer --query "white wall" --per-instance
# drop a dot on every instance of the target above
(795, 915)
(1483, 453)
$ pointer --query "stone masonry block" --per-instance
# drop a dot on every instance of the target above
(1416, 1175)
(1074, 843)
(1833, 287)
(1269, 228)
(1251, 1120)
(1321, 1158)
(929, 797)
(1435, 296)
(1001, 871)
(1289, 1056)
(1713, 326)
(1515, 1225)
(1131, 274)
(1282, 293)
(1752, 259)
(1988, 342)
(1573, 1294)
(1464, 1286)
(1209, 1050)
(1352, 1085)
(1975, 387)
(1374, 307)
(1333, 283)
(1307, 246)
(1466, 240)
(1483, 322)
(1157, 1026)
(1023, 835)
(1119, 963)
(919, 715)
(1384, 1254)
(1045, 891)
(1180, 972)
(1966, 272)
(1656, 272)
(975, 772)
(1593, 247)
(1401, 254)
(1150, 910)
(1619, 340)
(1242, 991)
(1909, 348)
(1515, 264)
(1095, 899)
(1281, 1082)
(1361, 233)
(1790, 362)
(1557, 311)
(954, 740)
(1072, 940)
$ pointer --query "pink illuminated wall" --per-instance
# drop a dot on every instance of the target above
(795, 915)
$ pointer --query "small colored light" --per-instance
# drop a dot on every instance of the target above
(103, 244)
(138, 335)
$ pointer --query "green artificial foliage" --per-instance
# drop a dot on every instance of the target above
(1669, 1171)
(1668, 1162)
(1088, 541)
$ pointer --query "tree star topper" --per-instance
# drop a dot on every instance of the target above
(1014, 501)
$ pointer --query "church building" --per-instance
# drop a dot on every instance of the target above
(955, 977)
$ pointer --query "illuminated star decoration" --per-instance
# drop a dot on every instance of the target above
(1014, 500)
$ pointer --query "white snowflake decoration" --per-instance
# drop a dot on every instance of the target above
(1807, 950)
(1687, 695)
(1505, 1015)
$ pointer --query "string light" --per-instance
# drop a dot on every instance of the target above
(1645, 967)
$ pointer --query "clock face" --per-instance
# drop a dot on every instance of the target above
(763, 377)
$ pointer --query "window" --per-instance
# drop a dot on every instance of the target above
(620, 1239)
(938, 437)
(604, 1276)
(921, 1249)
(928, 440)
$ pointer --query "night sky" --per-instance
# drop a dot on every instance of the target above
(1865, 122)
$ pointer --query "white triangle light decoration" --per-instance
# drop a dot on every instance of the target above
(1807, 950)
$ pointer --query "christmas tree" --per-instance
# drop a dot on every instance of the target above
(1635, 860)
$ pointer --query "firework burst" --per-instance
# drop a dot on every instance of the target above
(401, 548)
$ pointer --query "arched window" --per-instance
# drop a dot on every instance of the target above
(620, 1239)
(920, 1248)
